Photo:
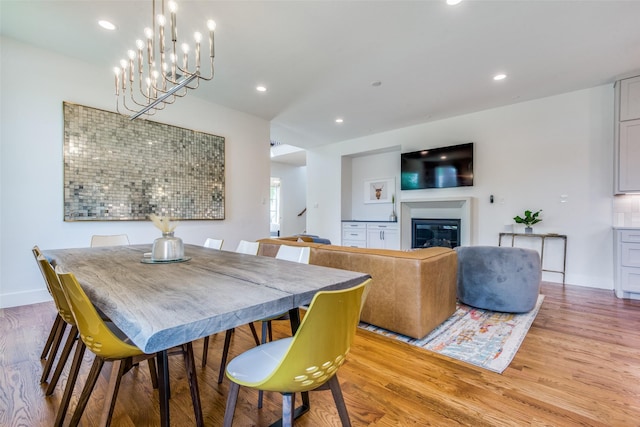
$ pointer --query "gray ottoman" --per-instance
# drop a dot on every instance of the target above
(499, 278)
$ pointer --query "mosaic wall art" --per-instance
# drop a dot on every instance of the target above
(121, 169)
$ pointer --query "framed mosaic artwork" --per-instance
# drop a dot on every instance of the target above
(118, 169)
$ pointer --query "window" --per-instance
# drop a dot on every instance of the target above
(274, 207)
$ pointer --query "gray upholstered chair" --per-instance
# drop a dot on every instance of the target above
(497, 278)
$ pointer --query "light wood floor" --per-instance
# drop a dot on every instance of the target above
(578, 365)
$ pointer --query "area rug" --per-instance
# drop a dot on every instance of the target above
(483, 338)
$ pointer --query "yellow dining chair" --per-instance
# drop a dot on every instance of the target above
(307, 361)
(109, 240)
(248, 248)
(213, 243)
(57, 329)
(109, 344)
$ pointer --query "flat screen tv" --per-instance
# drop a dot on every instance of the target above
(442, 167)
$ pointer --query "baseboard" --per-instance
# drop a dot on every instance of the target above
(24, 298)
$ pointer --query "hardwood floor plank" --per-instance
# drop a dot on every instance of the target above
(579, 365)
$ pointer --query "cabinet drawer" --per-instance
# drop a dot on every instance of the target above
(354, 225)
(356, 234)
(354, 243)
(631, 236)
(630, 279)
(382, 226)
(630, 255)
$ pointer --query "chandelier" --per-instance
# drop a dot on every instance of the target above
(155, 75)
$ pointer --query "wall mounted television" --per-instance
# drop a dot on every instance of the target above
(442, 167)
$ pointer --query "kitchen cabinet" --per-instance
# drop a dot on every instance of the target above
(627, 136)
(627, 262)
(362, 234)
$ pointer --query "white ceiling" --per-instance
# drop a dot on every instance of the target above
(318, 59)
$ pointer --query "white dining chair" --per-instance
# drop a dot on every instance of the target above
(299, 254)
(109, 240)
(213, 243)
(249, 248)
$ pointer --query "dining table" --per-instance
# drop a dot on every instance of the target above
(163, 304)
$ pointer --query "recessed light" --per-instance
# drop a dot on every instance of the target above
(106, 25)
(499, 77)
(339, 120)
(261, 88)
(453, 2)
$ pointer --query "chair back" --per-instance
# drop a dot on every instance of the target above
(55, 288)
(36, 254)
(213, 243)
(249, 248)
(299, 254)
(321, 343)
(95, 334)
(109, 240)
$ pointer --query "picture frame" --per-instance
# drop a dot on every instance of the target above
(379, 190)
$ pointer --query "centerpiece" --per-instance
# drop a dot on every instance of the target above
(168, 247)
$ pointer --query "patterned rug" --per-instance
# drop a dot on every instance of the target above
(483, 338)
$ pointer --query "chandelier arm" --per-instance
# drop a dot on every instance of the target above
(160, 99)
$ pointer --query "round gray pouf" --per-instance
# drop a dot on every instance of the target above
(498, 278)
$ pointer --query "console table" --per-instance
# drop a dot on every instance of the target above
(542, 238)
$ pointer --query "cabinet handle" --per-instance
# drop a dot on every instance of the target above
(354, 234)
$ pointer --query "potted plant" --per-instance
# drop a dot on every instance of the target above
(528, 220)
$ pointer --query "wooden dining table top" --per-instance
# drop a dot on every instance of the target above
(162, 305)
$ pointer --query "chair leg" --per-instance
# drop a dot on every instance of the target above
(52, 334)
(336, 391)
(205, 351)
(118, 368)
(225, 354)
(153, 372)
(52, 353)
(232, 399)
(190, 365)
(62, 361)
(98, 362)
(71, 381)
(254, 333)
(288, 405)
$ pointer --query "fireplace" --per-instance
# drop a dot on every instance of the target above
(427, 232)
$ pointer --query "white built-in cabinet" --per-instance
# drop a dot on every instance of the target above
(380, 235)
(627, 135)
(627, 262)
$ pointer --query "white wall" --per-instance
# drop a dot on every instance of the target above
(34, 83)
(527, 156)
(293, 197)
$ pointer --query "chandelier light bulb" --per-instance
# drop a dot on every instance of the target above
(173, 6)
(197, 37)
(123, 64)
(185, 48)
(162, 20)
(139, 44)
(211, 25)
(116, 70)
(131, 54)
(148, 32)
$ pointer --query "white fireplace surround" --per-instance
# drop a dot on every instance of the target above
(436, 208)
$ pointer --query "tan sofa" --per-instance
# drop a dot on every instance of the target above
(412, 292)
